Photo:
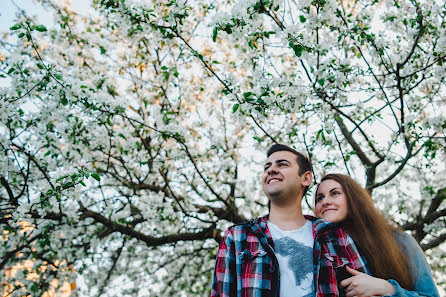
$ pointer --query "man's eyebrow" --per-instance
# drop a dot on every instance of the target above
(282, 160)
(277, 161)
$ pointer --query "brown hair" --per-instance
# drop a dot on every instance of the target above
(372, 233)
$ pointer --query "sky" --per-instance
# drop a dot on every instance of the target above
(10, 8)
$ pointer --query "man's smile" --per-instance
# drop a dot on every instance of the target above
(273, 180)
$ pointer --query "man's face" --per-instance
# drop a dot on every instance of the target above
(281, 177)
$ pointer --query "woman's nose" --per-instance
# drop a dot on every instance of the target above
(325, 201)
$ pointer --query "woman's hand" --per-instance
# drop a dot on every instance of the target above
(363, 285)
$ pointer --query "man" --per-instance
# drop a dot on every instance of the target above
(284, 254)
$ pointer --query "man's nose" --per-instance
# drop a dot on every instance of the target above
(271, 170)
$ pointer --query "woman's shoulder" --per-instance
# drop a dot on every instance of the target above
(419, 268)
(405, 240)
(410, 247)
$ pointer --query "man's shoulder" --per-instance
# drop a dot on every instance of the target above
(260, 222)
(247, 227)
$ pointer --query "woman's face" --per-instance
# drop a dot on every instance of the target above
(331, 203)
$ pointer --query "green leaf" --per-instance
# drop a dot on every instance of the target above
(64, 101)
(247, 94)
(321, 81)
(58, 76)
(96, 176)
(61, 178)
(258, 139)
(41, 28)
(16, 26)
(103, 50)
(303, 19)
(235, 107)
(35, 287)
(67, 185)
(297, 48)
(214, 34)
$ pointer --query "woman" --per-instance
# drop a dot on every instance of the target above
(391, 255)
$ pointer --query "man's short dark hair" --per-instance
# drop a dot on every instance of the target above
(303, 162)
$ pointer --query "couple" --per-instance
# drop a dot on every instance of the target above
(289, 254)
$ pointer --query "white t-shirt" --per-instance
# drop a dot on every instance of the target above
(294, 251)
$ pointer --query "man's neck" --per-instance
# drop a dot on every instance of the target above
(287, 217)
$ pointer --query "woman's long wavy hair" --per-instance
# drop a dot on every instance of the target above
(372, 233)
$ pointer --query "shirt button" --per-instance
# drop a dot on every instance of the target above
(272, 269)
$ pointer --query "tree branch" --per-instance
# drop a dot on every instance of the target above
(12, 199)
(114, 259)
(434, 243)
(431, 214)
(41, 169)
(208, 233)
(349, 137)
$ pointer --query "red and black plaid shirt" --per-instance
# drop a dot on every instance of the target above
(246, 265)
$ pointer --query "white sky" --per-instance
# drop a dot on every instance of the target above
(9, 10)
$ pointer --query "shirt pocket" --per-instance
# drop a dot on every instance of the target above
(339, 265)
(337, 262)
(256, 269)
(248, 255)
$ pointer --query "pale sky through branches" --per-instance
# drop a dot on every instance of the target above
(135, 131)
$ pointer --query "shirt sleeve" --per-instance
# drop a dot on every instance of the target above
(224, 279)
(424, 284)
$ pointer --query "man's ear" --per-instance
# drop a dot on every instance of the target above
(307, 179)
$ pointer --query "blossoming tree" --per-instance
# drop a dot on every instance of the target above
(125, 133)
